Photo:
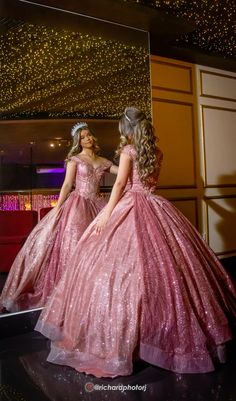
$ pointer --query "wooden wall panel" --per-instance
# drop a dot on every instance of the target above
(194, 116)
(217, 85)
(175, 128)
(171, 76)
(219, 138)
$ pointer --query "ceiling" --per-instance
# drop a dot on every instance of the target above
(214, 33)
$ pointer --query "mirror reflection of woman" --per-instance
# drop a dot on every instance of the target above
(41, 261)
(141, 282)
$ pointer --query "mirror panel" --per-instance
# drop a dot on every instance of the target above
(67, 69)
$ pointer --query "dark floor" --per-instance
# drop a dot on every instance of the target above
(3, 277)
(26, 376)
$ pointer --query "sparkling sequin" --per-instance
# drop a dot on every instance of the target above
(148, 287)
(44, 256)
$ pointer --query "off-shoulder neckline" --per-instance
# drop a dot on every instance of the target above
(90, 164)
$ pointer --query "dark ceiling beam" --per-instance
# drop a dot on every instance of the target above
(128, 21)
(132, 15)
(191, 55)
(52, 17)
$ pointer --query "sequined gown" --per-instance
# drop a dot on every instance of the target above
(147, 285)
(43, 258)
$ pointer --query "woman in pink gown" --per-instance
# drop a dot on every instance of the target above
(141, 281)
(44, 256)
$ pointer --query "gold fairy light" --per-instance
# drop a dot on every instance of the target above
(214, 19)
(52, 73)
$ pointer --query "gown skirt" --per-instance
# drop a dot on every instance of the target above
(147, 285)
(41, 261)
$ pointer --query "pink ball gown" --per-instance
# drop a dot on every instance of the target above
(148, 285)
(44, 256)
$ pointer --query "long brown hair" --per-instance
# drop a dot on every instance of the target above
(76, 145)
(136, 129)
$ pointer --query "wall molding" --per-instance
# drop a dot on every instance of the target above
(203, 108)
(191, 105)
(202, 72)
(189, 69)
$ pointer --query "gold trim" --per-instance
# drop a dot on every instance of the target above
(203, 107)
(207, 227)
(206, 106)
(220, 98)
(221, 186)
(171, 90)
(209, 197)
(193, 141)
(225, 252)
(182, 198)
(177, 187)
(212, 96)
(190, 92)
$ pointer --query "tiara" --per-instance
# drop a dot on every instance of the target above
(78, 126)
(127, 118)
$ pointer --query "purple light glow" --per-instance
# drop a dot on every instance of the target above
(50, 170)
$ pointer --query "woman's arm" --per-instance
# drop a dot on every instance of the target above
(67, 184)
(117, 190)
(114, 169)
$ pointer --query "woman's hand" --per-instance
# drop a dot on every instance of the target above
(103, 219)
(114, 169)
(117, 191)
(55, 209)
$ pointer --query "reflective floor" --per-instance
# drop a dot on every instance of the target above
(26, 376)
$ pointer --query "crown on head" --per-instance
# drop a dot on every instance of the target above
(78, 126)
(127, 118)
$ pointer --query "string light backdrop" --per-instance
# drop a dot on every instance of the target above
(53, 73)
